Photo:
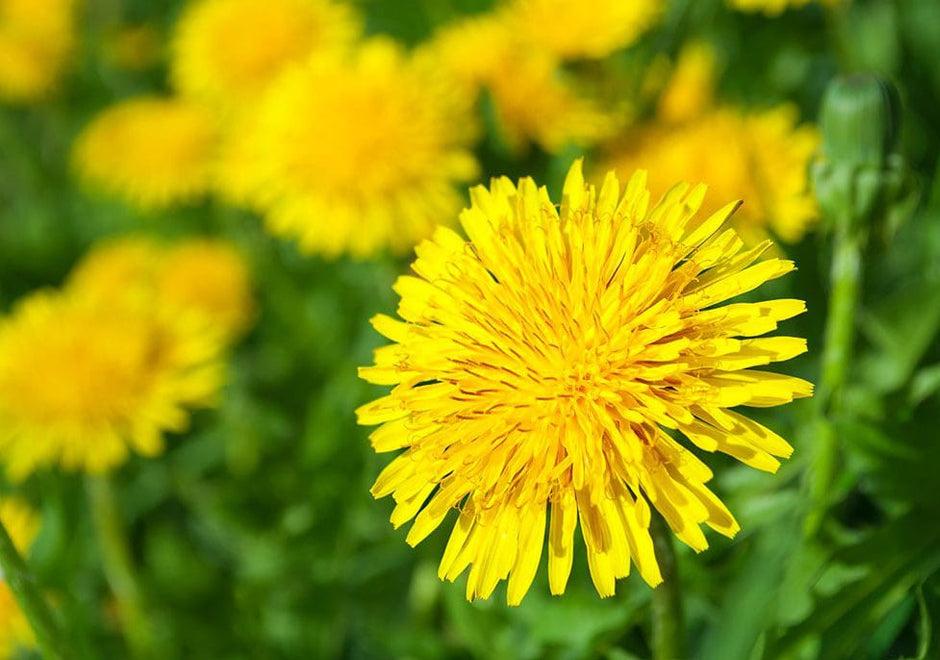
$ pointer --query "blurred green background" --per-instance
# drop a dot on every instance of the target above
(255, 535)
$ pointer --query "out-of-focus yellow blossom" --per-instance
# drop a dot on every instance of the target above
(538, 365)
(121, 267)
(204, 279)
(22, 523)
(229, 51)
(532, 98)
(83, 380)
(572, 29)
(210, 278)
(134, 47)
(359, 153)
(36, 39)
(690, 90)
(777, 7)
(763, 158)
(234, 172)
(152, 152)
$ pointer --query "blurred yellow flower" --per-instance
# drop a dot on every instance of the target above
(152, 152)
(228, 51)
(532, 99)
(83, 381)
(36, 39)
(359, 154)
(210, 278)
(22, 523)
(690, 91)
(539, 365)
(776, 7)
(763, 158)
(572, 29)
(204, 279)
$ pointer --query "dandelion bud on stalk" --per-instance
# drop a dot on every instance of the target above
(862, 183)
(861, 178)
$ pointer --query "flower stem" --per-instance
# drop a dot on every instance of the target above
(23, 585)
(846, 279)
(118, 566)
(668, 628)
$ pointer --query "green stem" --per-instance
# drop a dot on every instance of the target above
(119, 567)
(668, 628)
(846, 276)
(846, 279)
(18, 576)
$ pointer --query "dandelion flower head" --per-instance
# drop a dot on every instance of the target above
(690, 90)
(36, 38)
(762, 158)
(205, 279)
(542, 368)
(149, 151)
(360, 153)
(228, 51)
(485, 53)
(22, 523)
(573, 29)
(83, 382)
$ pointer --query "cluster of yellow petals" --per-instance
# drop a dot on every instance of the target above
(227, 52)
(203, 279)
(151, 151)
(83, 382)
(533, 100)
(22, 523)
(36, 39)
(689, 91)
(574, 29)
(550, 362)
(357, 152)
(120, 355)
(761, 156)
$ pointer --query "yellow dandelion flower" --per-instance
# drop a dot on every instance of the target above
(122, 267)
(691, 87)
(234, 172)
(204, 279)
(358, 154)
(228, 51)
(210, 278)
(36, 39)
(572, 29)
(83, 382)
(485, 53)
(762, 158)
(22, 523)
(543, 364)
(776, 7)
(152, 152)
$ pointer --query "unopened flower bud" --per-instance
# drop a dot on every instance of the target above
(859, 120)
(860, 179)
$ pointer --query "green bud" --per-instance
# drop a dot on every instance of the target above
(859, 120)
(860, 180)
